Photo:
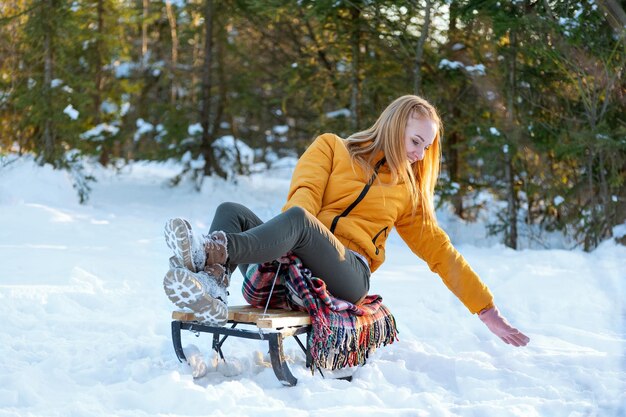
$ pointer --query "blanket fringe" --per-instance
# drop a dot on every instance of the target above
(343, 334)
(335, 347)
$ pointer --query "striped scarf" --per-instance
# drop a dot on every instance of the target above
(344, 334)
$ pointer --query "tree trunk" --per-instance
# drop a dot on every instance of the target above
(511, 135)
(615, 15)
(419, 51)
(97, 98)
(454, 138)
(355, 99)
(206, 143)
(590, 235)
(171, 17)
(511, 234)
(454, 172)
(144, 31)
(99, 79)
(607, 216)
(195, 63)
(48, 56)
(221, 82)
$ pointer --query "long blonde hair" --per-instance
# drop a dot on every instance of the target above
(388, 135)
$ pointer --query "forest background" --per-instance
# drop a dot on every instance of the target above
(532, 93)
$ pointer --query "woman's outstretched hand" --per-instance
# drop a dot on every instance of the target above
(501, 328)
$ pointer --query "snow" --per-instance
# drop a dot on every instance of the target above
(108, 106)
(71, 112)
(445, 63)
(478, 69)
(124, 109)
(619, 231)
(472, 69)
(194, 129)
(86, 326)
(123, 69)
(95, 133)
(280, 129)
(143, 127)
(234, 150)
(338, 113)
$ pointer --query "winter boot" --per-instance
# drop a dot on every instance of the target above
(175, 262)
(195, 252)
(199, 292)
(217, 271)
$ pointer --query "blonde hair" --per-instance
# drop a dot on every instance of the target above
(388, 135)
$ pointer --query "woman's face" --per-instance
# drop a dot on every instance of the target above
(420, 134)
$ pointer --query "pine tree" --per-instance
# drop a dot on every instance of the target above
(46, 93)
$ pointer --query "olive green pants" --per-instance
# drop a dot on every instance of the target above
(251, 241)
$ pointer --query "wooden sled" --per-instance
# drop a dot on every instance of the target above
(273, 326)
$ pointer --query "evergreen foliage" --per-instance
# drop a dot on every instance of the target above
(531, 93)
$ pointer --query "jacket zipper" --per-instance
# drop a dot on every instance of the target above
(376, 237)
(359, 198)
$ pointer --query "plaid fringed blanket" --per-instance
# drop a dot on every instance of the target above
(343, 334)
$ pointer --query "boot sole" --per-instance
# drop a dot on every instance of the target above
(179, 238)
(184, 290)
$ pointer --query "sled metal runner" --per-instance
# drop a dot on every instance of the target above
(272, 327)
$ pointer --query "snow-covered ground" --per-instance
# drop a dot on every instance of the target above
(85, 325)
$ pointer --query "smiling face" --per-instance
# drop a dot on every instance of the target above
(420, 134)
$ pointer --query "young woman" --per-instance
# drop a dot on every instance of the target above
(344, 198)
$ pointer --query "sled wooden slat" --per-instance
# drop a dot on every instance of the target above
(279, 322)
(272, 319)
(272, 327)
(183, 316)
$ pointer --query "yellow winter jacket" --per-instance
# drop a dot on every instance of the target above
(325, 183)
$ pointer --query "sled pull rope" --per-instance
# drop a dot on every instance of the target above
(269, 297)
(272, 289)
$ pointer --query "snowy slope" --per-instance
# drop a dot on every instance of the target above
(85, 323)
